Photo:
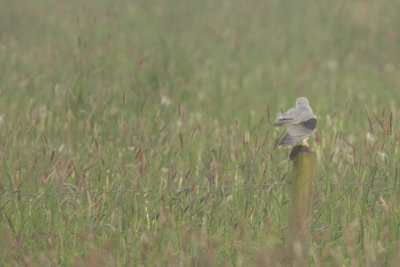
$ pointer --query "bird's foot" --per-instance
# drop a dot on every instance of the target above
(305, 143)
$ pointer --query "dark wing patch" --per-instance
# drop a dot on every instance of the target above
(310, 124)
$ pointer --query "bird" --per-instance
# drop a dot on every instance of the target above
(301, 123)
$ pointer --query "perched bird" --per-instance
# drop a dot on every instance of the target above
(302, 123)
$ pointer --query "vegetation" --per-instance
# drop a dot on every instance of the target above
(139, 132)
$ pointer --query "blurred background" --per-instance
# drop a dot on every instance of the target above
(111, 95)
(236, 55)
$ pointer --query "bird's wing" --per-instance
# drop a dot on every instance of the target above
(285, 117)
(296, 133)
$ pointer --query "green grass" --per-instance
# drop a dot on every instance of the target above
(135, 95)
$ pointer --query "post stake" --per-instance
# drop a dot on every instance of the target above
(304, 162)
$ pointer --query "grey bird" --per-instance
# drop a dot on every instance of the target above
(301, 123)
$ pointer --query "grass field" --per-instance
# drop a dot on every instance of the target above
(124, 95)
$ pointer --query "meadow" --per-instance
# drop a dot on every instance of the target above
(140, 132)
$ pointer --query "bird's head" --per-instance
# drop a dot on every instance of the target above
(302, 101)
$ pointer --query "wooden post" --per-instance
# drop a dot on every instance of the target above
(304, 163)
